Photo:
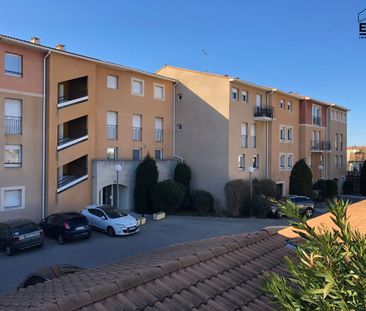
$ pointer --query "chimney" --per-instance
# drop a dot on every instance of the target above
(35, 40)
(60, 47)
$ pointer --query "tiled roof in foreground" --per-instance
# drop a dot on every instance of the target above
(217, 274)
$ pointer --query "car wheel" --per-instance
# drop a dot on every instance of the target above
(60, 239)
(111, 232)
(9, 250)
(308, 213)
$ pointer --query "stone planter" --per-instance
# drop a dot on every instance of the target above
(159, 216)
(141, 221)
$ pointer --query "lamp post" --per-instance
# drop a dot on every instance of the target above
(251, 170)
(320, 167)
(117, 168)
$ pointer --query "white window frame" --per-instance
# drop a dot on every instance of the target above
(161, 154)
(242, 96)
(282, 103)
(142, 86)
(112, 82)
(258, 100)
(282, 140)
(235, 91)
(115, 152)
(287, 161)
(289, 105)
(140, 154)
(292, 134)
(156, 85)
(179, 97)
(312, 114)
(282, 155)
(2, 193)
(241, 162)
(20, 156)
(11, 73)
(256, 156)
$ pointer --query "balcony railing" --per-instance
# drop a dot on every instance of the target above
(65, 142)
(320, 145)
(76, 97)
(158, 135)
(68, 181)
(317, 120)
(244, 141)
(137, 134)
(264, 112)
(253, 142)
(112, 131)
(13, 125)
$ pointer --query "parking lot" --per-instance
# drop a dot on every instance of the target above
(101, 249)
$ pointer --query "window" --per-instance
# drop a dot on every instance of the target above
(112, 153)
(258, 100)
(256, 161)
(12, 198)
(179, 127)
(12, 155)
(289, 161)
(159, 129)
(341, 160)
(244, 135)
(13, 116)
(282, 133)
(253, 138)
(282, 161)
(159, 91)
(244, 96)
(137, 87)
(136, 154)
(13, 64)
(336, 141)
(179, 97)
(316, 115)
(234, 94)
(136, 127)
(289, 105)
(289, 134)
(282, 104)
(336, 160)
(159, 154)
(112, 82)
(112, 119)
(241, 162)
(341, 141)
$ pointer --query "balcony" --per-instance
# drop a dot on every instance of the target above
(317, 120)
(320, 145)
(263, 113)
(244, 141)
(72, 92)
(72, 174)
(112, 132)
(137, 134)
(13, 125)
(72, 132)
(253, 142)
(158, 135)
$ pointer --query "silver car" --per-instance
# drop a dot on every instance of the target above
(306, 206)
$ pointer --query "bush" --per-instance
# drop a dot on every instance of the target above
(146, 176)
(182, 175)
(331, 188)
(261, 206)
(348, 187)
(167, 196)
(301, 179)
(363, 179)
(329, 271)
(320, 186)
(237, 196)
(268, 187)
(202, 202)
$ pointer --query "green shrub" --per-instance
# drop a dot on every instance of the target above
(268, 187)
(261, 206)
(348, 187)
(146, 176)
(321, 187)
(167, 196)
(202, 202)
(237, 196)
(363, 179)
(182, 174)
(301, 179)
(329, 271)
(331, 188)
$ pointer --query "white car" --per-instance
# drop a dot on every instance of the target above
(110, 219)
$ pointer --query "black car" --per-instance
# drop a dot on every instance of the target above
(66, 226)
(20, 234)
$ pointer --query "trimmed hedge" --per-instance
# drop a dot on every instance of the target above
(201, 202)
(167, 196)
(301, 179)
(348, 187)
(182, 174)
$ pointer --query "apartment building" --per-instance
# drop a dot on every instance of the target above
(244, 126)
(97, 114)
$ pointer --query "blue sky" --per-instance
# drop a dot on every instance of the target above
(306, 46)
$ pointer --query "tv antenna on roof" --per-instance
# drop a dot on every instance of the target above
(206, 58)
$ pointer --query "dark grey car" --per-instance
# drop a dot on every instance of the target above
(20, 234)
(305, 205)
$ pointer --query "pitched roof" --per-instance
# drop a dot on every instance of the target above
(217, 274)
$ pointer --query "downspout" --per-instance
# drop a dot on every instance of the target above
(43, 190)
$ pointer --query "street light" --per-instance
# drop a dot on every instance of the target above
(251, 170)
(117, 168)
(320, 167)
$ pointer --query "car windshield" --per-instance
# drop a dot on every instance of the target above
(113, 212)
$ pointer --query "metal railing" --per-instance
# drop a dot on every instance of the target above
(320, 145)
(68, 179)
(253, 141)
(75, 94)
(112, 131)
(64, 140)
(244, 141)
(13, 125)
(317, 120)
(264, 111)
(137, 133)
(158, 135)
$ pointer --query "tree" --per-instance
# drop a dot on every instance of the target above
(146, 176)
(363, 179)
(167, 196)
(182, 174)
(329, 271)
(301, 179)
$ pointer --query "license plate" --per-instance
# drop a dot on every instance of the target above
(80, 228)
(29, 235)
